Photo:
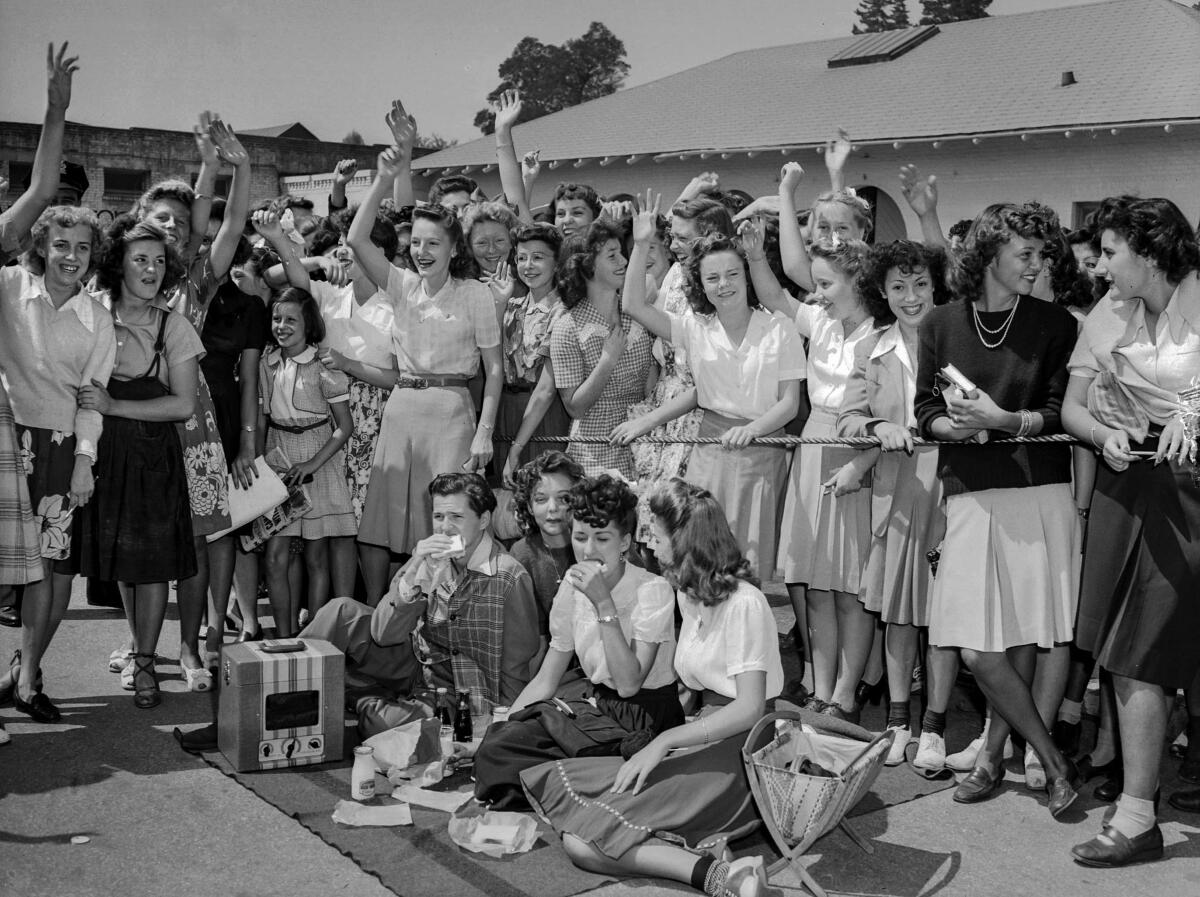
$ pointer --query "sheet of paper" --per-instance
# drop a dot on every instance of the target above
(446, 801)
(349, 812)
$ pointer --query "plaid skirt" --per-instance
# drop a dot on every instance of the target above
(330, 515)
(20, 542)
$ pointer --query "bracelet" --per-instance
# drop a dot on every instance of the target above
(704, 723)
(1092, 437)
(1026, 423)
(487, 426)
(196, 196)
(247, 429)
(611, 618)
(1084, 513)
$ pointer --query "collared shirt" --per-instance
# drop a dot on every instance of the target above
(830, 355)
(482, 637)
(892, 341)
(646, 613)
(1116, 339)
(740, 381)
(295, 389)
(527, 327)
(441, 335)
(48, 353)
(360, 332)
(135, 343)
(719, 642)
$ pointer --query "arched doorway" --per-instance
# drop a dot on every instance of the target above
(888, 220)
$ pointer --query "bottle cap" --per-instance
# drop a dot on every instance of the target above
(364, 750)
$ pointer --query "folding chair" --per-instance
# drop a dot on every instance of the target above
(799, 808)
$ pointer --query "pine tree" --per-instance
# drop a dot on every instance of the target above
(900, 14)
(873, 16)
(938, 12)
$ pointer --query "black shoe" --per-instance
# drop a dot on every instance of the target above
(1061, 790)
(1110, 789)
(1089, 771)
(1188, 801)
(255, 636)
(38, 707)
(979, 785)
(10, 616)
(1066, 738)
(1189, 771)
(869, 694)
(1110, 848)
(198, 741)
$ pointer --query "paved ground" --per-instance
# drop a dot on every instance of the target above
(161, 822)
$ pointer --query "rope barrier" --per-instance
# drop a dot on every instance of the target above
(863, 442)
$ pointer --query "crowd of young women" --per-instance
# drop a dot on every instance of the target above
(387, 344)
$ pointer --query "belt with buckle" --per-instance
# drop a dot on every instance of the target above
(425, 382)
(298, 428)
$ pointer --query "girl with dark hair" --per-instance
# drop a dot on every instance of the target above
(531, 406)
(54, 338)
(669, 816)
(618, 622)
(444, 327)
(304, 411)
(601, 356)
(750, 364)
(574, 208)
(1139, 612)
(662, 414)
(1008, 576)
(900, 285)
(137, 530)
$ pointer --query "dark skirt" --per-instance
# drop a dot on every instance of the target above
(1139, 605)
(227, 408)
(138, 526)
(48, 458)
(556, 422)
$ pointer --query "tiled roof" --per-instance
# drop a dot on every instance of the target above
(293, 130)
(1133, 61)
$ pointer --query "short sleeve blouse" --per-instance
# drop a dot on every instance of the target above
(360, 332)
(646, 608)
(527, 328)
(830, 354)
(740, 381)
(135, 344)
(441, 335)
(719, 642)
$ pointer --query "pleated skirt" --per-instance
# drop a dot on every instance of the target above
(1009, 571)
(823, 540)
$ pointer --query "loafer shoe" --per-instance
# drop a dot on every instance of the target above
(38, 708)
(10, 616)
(1035, 772)
(979, 785)
(1110, 789)
(1188, 801)
(1110, 848)
(1061, 791)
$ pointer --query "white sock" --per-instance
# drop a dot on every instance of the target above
(1134, 816)
(1070, 711)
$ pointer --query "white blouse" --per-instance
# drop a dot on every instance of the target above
(830, 355)
(721, 641)
(646, 609)
(360, 332)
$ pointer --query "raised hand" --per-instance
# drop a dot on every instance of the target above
(920, 193)
(837, 151)
(59, 70)
(790, 177)
(646, 218)
(266, 225)
(228, 146)
(344, 171)
(753, 232)
(507, 109)
(204, 142)
(531, 164)
(403, 127)
(704, 182)
(616, 210)
(389, 163)
(501, 282)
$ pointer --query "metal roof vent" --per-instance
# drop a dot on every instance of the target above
(882, 46)
(1068, 78)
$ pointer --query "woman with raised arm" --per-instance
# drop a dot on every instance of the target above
(137, 530)
(1139, 614)
(840, 213)
(444, 327)
(1008, 576)
(748, 363)
(668, 810)
(601, 356)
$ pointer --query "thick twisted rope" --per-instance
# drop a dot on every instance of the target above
(861, 442)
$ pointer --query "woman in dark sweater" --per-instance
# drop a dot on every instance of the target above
(1007, 580)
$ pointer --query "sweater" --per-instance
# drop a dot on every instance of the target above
(1027, 371)
(546, 567)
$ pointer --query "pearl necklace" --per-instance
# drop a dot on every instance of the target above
(1002, 330)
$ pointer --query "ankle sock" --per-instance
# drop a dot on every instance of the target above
(898, 714)
(934, 722)
(708, 875)
(1134, 816)
(1070, 711)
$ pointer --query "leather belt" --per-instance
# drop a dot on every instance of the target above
(406, 382)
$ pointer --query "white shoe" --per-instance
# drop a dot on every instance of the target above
(964, 760)
(303, 618)
(899, 745)
(1035, 773)
(931, 752)
(747, 877)
(127, 676)
(119, 659)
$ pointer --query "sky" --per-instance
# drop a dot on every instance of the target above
(336, 65)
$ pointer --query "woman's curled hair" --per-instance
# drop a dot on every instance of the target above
(599, 501)
(908, 257)
(462, 265)
(693, 282)
(577, 260)
(707, 561)
(1155, 229)
(991, 229)
(126, 229)
(529, 474)
(65, 217)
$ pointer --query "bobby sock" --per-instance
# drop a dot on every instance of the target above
(897, 714)
(934, 722)
(708, 875)
(1134, 816)
(1070, 711)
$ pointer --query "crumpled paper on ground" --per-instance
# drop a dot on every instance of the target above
(349, 812)
(446, 801)
(491, 832)
(400, 747)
